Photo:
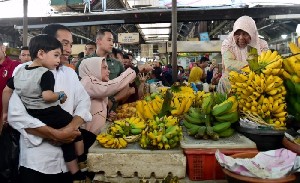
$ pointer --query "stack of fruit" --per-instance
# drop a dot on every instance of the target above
(150, 107)
(122, 130)
(291, 74)
(126, 110)
(260, 90)
(161, 133)
(213, 119)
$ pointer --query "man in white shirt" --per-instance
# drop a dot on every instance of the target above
(40, 160)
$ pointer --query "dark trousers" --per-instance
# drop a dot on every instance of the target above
(57, 118)
(31, 176)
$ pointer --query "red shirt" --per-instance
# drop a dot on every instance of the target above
(6, 70)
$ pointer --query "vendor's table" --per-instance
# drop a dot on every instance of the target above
(134, 161)
(201, 160)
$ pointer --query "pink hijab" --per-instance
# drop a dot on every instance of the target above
(248, 25)
(91, 67)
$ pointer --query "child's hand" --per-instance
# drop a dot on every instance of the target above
(64, 98)
(4, 117)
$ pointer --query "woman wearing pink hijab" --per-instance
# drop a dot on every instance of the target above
(234, 49)
(94, 75)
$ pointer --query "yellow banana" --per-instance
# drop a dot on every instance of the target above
(267, 56)
(281, 108)
(286, 75)
(287, 67)
(294, 49)
(280, 115)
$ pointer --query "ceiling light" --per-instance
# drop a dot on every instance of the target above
(283, 36)
(155, 31)
(156, 25)
(5, 43)
(286, 16)
(298, 29)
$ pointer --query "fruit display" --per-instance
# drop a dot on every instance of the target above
(161, 133)
(148, 108)
(122, 132)
(213, 120)
(125, 111)
(291, 74)
(260, 89)
(109, 141)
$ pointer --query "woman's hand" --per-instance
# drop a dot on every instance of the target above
(143, 77)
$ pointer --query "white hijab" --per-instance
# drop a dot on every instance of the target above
(248, 25)
(91, 67)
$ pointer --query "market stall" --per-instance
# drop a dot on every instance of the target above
(178, 129)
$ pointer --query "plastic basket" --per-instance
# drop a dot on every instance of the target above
(202, 163)
(232, 177)
(201, 160)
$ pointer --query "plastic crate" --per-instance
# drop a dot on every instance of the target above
(202, 163)
(201, 160)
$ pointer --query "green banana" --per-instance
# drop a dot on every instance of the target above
(188, 125)
(201, 132)
(193, 120)
(290, 86)
(227, 133)
(230, 117)
(135, 131)
(207, 104)
(193, 131)
(195, 112)
(222, 108)
(221, 127)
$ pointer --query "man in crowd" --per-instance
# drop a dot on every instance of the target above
(90, 48)
(24, 55)
(41, 160)
(104, 42)
(7, 67)
(7, 170)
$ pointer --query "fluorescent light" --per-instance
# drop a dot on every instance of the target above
(286, 16)
(298, 29)
(283, 36)
(156, 36)
(5, 43)
(260, 36)
(155, 31)
(143, 26)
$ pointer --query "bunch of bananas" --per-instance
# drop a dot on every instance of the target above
(199, 95)
(260, 94)
(109, 141)
(126, 110)
(161, 133)
(149, 109)
(126, 127)
(270, 63)
(198, 121)
(291, 74)
(181, 102)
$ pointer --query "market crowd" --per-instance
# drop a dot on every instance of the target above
(56, 106)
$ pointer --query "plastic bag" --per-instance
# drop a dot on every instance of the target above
(9, 155)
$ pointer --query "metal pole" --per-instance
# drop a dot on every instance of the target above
(25, 22)
(103, 5)
(174, 40)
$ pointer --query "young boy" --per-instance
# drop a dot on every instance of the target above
(34, 84)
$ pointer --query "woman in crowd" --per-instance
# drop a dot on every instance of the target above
(234, 49)
(195, 75)
(94, 75)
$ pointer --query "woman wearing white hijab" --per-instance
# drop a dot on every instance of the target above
(94, 75)
(234, 49)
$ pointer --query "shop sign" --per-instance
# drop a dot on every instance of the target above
(128, 38)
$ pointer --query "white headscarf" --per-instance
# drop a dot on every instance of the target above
(91, 67)
(248, 25)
